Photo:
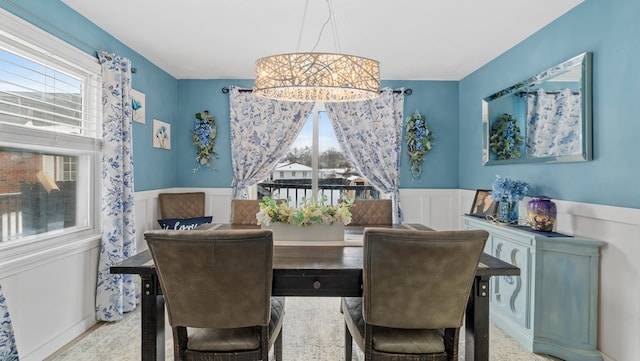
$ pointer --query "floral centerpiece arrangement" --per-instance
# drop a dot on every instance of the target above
(505, 138)
(204, 136)
(310, 212)
(508, 193)
(419, 142)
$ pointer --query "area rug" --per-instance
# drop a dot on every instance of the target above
(313, 331)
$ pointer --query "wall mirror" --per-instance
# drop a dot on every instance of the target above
(546, 118)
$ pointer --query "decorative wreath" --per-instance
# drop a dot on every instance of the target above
(204, 136)
(505, 138)
(419, 142)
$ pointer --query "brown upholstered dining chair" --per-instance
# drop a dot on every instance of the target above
(367, 212)
(217, 288)
(181, 205)
(415, 290)
(243, 211)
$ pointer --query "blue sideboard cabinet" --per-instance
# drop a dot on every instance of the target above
(552, 307)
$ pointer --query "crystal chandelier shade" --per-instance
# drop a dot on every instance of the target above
(317, 77)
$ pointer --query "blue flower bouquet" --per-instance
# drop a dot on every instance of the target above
(508, 193)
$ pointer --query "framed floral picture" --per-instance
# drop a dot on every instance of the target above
(483, 204)
(161, 134)
(138, 105)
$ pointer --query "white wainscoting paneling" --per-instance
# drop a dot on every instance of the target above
(436, 208)
(619, 309)
(51, 296)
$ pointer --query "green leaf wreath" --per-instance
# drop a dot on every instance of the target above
(419, 142)
(505, 138)
(204, 136)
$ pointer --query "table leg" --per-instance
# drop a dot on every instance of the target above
(477, 321)
(152, 320)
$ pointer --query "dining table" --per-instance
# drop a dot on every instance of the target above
(315, 269)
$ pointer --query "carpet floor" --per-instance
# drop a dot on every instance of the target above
(313, 331)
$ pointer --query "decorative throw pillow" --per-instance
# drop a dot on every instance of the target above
(179, 224)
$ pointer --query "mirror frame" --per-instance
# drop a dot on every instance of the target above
(584, 60)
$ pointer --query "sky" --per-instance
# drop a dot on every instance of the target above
(327, 137)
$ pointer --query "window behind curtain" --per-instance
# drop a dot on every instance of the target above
(49, 135)
(329, 172)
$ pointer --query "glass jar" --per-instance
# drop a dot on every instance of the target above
(541, 213)
(508, 212)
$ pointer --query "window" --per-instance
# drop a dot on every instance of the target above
(69, 169)
(331, 173)
(49, 143)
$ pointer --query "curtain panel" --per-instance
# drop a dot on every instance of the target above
(370, 133)
(554, 125)
(116, 293)
(8, 348)
(262, 130)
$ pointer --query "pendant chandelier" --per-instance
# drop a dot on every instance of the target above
(313, 76)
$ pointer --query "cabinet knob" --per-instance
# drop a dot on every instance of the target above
(317, 285)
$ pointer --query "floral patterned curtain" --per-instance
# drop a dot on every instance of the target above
(554, 125)
(116, 293)
(370, 133)
(8, 349)
(262, 130)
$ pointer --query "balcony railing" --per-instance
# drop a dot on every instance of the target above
(295, 191)
(10, 216)
(34, 210)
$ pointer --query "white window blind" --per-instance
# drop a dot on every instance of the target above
(40, 90)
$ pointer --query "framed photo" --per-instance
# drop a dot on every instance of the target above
(138, 106)
(483, 204)
(161, 134)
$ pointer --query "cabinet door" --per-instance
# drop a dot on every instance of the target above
(510, 295)
(567, 297)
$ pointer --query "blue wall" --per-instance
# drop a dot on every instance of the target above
(453, 109)
(176, 102)
(610, 31)
(153, 167)
(196, 96)
(437, 100)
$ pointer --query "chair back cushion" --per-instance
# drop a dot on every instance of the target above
(419, 279)
(181, 205)
(214, 279)
(243, 211)
(371, 212)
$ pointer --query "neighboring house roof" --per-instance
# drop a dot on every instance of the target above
(333, 170)
(292, 167)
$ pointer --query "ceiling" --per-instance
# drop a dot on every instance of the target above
(412, 39)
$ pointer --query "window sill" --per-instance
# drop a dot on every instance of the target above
(17, 256)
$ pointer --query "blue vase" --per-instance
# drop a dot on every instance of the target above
(507, 211)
